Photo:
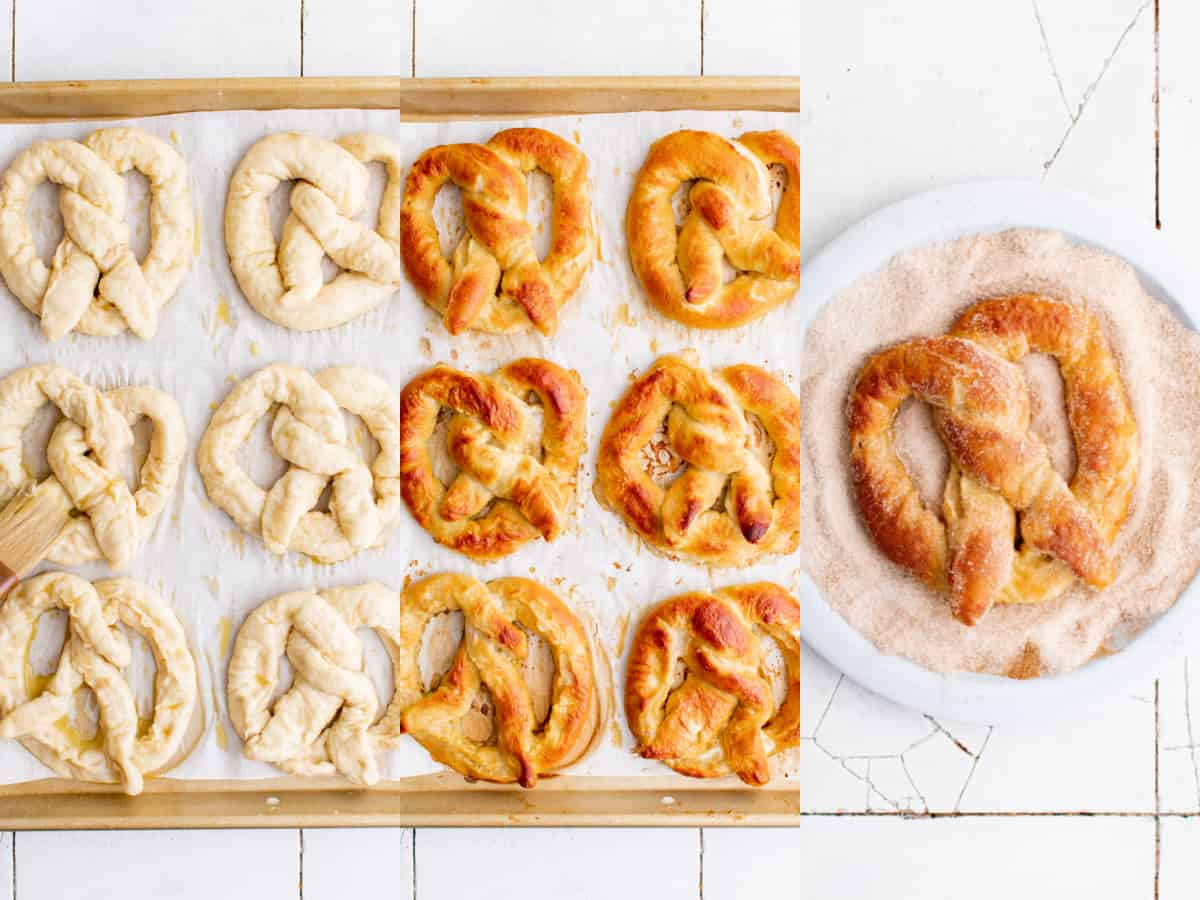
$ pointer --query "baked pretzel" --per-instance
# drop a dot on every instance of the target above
(84, 453)
(309, 432)
(1000, 476)
(95, 284)
(95, 652)
(511, 486)
(492, 654)
(286, 283)
(682, 269)
(494, 282)
(733, 438)
(324, 723)
(722, 717)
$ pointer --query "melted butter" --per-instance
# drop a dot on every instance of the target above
(224, 316)
(77, 740)
(35, 683)
(222, 737)
(223, 631)
(196, 236)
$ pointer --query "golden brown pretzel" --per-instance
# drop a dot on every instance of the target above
(722, 717)
(510, 487)
(682, 268)
(753, 474)
(1001, 474)
(498, 615)
(494, 282)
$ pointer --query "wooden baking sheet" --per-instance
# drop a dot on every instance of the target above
(444, 799)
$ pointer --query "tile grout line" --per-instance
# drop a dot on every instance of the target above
(701, 830)
(414, 831)
(701, 35)
(412, 61)
(300, 881)
(1158, 209)
(1157, 790)
(301, 38)
(14, 865)
(12, 52)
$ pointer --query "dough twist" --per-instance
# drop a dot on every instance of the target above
(494, 282)
(286, 283)
(95, 284)
(722, 717)
(494, 650)
(309, 432)
(84, 456)
(325, 722)
(93, 656)
(736, 491)
(683, 269)
(510, 487)
(1000, 476)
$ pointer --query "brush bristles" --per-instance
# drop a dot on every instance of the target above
(31, 523)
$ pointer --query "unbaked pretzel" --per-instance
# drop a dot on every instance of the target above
(510, 487)
(84, 455)
(93, 656)
(324, 722)
(728, 506)
(286, 283)
(1000, 475)
(497, 616)
(682, 269)
(95, 284)
(722, 716)
(309, 432)
(494, 282)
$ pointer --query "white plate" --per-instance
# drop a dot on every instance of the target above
(943, 215)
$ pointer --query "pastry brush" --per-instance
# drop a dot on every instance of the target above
(29, 525)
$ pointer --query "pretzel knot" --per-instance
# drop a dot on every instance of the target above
(324, 722)
(127, 748)
(309, 432)
(286, 283)
(84, 453)
(721, 486)
(499, 618)
(95, 284)
(512, 485)
(1001, 481)
(723, 716)
(683, 269)
(494, 281)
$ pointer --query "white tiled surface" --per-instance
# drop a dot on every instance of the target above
(65, 39)
(898, 98)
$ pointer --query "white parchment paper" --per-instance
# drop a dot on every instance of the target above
(214, 574)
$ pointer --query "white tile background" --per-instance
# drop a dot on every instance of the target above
(67, 39)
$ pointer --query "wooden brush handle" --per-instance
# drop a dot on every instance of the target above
(8, 579)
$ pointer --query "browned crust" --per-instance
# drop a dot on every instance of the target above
(532, 498)
(504, 271)
(721, 719)
(679, 270)
(706, 426)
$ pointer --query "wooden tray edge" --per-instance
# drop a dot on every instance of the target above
(413, 98)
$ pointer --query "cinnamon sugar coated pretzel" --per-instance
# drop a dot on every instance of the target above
(95, 285)
(682, 268)
(722, 717)
(127, 749)
(1012, 530)
(84, 454)
(309, 432)
(512, 485)
(735, 438)
(498, 617)
(325, 722)
(286, 283)
(494, 281)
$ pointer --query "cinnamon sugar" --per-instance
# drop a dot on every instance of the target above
(920, 293)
